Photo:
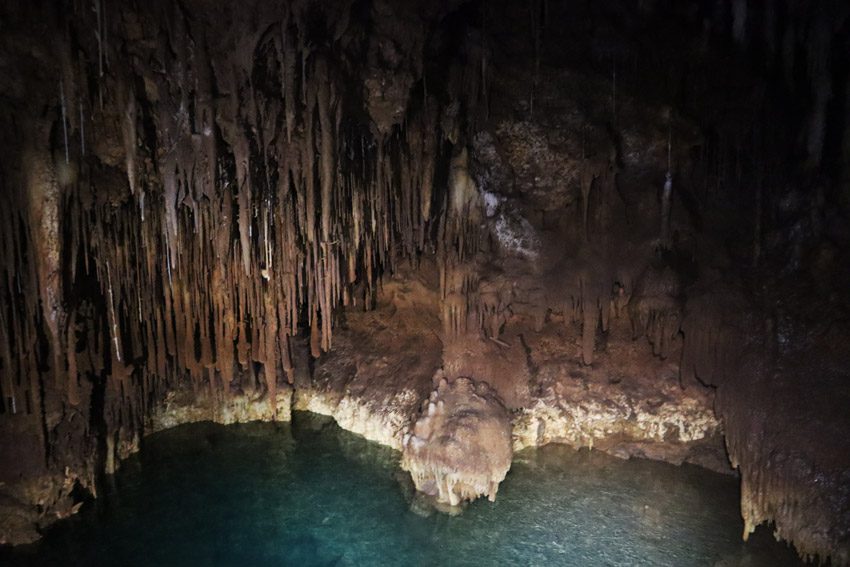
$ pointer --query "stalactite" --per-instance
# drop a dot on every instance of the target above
(64, 119)
(327, 145)
(589, 173)
(666, 199)
(599, 171)
(82, 131)
(129, 134)
(45, 201)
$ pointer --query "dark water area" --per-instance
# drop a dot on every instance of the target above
(311, 494)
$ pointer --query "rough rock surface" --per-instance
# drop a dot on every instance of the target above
(187, 407)
(665, 427)
(460, 446)
(380, 369)
(629, 403)
(28, 507)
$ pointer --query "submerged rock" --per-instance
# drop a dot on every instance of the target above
(460, 447)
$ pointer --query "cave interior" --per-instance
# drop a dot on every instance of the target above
(459, 227)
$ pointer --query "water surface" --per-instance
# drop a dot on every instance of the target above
(311, 494)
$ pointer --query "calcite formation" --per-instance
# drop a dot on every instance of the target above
(380, 370)
(460, 446)
(596, 416)
(382, 418)
(186, 407)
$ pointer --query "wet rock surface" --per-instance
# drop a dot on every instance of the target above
(187, 407)
(459, 447)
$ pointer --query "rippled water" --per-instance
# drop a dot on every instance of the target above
(312, 494)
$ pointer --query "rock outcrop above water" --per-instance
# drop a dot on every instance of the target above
(460, 446)
(181, 407)
(671, 425)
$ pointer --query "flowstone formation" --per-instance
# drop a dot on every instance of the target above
(460, 446)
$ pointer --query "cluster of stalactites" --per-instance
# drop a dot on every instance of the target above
(776, 483)
(246, 214)
(713, 325)
(588, 298)
(19, 361)
(589, 302)
(216, 269)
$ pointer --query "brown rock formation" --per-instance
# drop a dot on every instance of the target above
(459, 448)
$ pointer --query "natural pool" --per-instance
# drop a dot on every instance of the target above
(312, 494)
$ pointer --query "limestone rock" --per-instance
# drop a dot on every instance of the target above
(186, 407)
(460, 447)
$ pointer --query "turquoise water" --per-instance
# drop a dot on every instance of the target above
(312, 494)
